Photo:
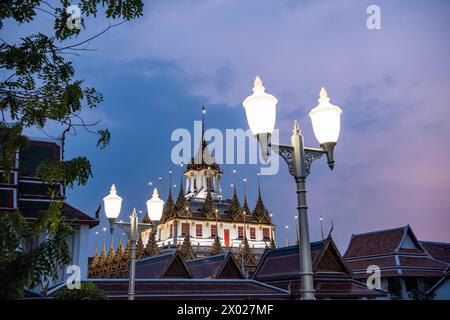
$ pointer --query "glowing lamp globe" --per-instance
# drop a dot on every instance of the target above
(260, 109)
(112, 203)
(326, 120)
(155, 206)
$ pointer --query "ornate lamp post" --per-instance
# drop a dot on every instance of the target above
(133, 229)
(260, 109)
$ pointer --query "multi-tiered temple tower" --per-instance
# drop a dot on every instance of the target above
(201, 212)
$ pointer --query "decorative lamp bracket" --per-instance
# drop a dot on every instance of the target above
(287, 153)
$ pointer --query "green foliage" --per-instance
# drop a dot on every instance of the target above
(21, 266)
(88, 291)
(77, 170)
(39, 86)
(10, 141)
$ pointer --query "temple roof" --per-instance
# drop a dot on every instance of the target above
(235, 209)
(438, 250)
(396, 251)
(217, 266)
(332, 278)
(168, 264)
(192, 289)
(203, 158)
(375, 243)
(261, 213)
(284, 262)
(201, 209)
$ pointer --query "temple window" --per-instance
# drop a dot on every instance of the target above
(240, 232)
(213, 230)
(185, 228)
(199, 230)
(252, 233)
(266, 234)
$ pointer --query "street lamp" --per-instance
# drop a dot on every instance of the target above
(113, 204)
(155, 206)
(133, 228)
(260, 109)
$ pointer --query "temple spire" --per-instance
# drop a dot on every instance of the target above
(96, 244)
(104, 243)
(245, 208)
(181, 206)
(168, 210)
(120, 251)
(235, 209)
(260, 213)
(203, 122)
(208, 207)
(111, 252)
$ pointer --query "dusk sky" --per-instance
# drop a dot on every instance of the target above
(393, 85)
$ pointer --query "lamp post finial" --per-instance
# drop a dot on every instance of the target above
(323, 93)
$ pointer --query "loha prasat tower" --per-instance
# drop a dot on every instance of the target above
(201, 212)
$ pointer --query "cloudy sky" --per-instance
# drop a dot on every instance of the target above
(393, 86)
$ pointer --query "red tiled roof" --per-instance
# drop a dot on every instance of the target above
(332, 289)
(192, 289)
(383, 262)
(402, 273)
(374, 243)
(438, 250)
(422, 262)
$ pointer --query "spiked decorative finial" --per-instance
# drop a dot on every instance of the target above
(258, 85)
(113, 188)
(296, 129)
(323, 93)
(258, 82)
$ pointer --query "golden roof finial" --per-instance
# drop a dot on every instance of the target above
(323, 93)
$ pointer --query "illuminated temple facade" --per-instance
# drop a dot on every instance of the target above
(201, 211)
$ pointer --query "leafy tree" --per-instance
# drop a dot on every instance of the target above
(87, 291)
(38, 87)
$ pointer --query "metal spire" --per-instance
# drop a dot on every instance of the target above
(203, 122)
(321, 226)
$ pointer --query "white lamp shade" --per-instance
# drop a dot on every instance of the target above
(326, 119)
(260, 109)
(112, 203)
(155, 206)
